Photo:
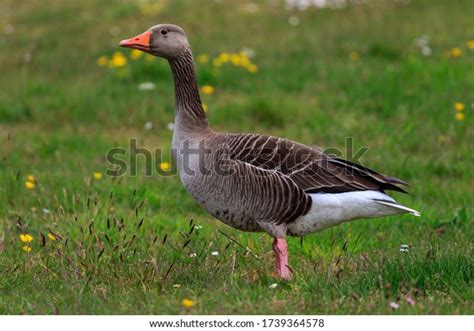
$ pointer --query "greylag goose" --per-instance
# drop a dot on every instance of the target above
(256, 182)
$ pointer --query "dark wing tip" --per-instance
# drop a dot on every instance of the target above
(394, 180)
(386, 182)
(393, 187)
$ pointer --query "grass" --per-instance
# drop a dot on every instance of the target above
(126, 242)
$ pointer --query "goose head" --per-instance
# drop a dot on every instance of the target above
(164, 40)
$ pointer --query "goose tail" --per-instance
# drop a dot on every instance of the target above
(398, 207)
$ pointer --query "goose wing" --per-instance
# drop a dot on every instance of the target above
(309, 168)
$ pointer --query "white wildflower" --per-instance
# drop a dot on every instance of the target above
(422, 41)
(394, 305)
(146, 86)
(248, 51)
(148, 126)
(426, 51)
(404, 248)
(320, 4)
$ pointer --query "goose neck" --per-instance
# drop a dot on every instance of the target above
(189, 110)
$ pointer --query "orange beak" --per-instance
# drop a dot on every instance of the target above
(141, 42)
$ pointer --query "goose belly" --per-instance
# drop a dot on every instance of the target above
(330, 209)
(221, 205)
(215, 197)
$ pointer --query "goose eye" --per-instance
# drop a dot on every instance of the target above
(164, 32)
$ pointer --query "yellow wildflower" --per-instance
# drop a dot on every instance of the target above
(26, 238)
(252, 68)
(203, 58)
(470, 44)
(118, 60)
(51, 236)
(97, 175)
(455, 52)
(205, 107)
(188, 303)
(165, 166)
(102, 61)
(224, 57)
(31, 178)
(244, 60)
(29, 185)
(459, 106)
(459, 116)
(207, 89)
(235, 59)
(135, 54)
(354, 56)
(27, 248)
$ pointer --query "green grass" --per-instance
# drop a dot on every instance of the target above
(60, 113)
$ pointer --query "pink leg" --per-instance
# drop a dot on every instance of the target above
(280, 248)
